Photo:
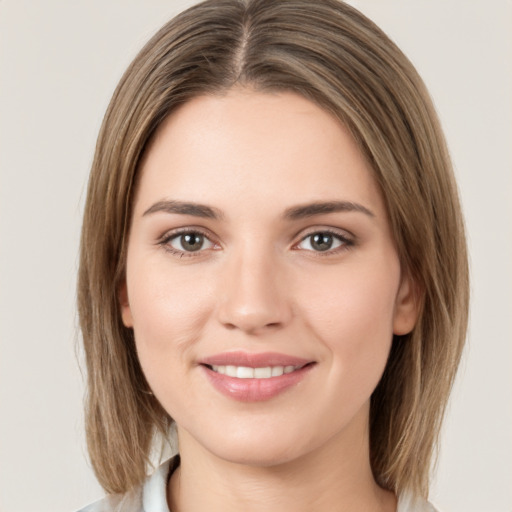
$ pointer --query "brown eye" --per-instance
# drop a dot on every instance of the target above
(323, 241)
(190, 242)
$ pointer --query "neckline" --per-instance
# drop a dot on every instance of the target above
(154, 492)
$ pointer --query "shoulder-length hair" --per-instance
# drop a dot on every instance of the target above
(334, 56)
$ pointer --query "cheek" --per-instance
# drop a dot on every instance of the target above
(352, 313)
(169, 311)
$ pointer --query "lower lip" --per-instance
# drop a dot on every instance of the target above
(255, 390)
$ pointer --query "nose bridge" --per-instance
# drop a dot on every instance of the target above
(253, 295)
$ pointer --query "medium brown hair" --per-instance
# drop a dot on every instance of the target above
(331, 54)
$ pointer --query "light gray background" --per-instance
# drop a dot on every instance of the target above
(60, 62)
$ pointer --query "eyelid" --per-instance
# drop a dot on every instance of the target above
(348, 239)
(174, 233)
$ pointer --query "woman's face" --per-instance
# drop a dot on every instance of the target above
(262, 282)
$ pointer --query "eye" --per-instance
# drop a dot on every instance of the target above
(323, 241)
(189, 241)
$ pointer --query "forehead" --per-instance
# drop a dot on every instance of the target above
(277, 149)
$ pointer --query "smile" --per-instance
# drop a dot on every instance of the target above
(249, 377)
(245, 372)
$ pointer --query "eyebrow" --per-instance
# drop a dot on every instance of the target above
(293, 213)
(320, 208)
(185, 208)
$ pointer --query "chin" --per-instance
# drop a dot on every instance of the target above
(262, 447)
(258, 456)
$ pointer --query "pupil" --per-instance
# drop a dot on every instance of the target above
(321, 241)
(192, 241)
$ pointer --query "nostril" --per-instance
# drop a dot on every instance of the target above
(252, 327)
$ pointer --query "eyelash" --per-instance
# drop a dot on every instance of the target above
(346, 242)
(168, 237)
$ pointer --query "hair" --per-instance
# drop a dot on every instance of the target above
(334, 56)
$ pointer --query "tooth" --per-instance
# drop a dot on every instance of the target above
(277, 371)
(231, 371)
(243, 372)
(263, 373)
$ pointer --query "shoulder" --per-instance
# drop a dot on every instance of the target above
(407, 502)
(149, 497)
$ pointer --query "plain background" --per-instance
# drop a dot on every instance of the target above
(60, 62)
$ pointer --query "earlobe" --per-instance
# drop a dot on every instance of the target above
(407, 307)
(126, 312)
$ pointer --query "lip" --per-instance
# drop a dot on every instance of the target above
(258, 360)
(254, 390)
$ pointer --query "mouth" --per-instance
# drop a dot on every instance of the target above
(249, 377)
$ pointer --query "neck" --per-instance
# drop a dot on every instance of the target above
(334, 477)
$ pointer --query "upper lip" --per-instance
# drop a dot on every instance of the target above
(253, 360)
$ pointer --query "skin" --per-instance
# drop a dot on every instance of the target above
(258, 284)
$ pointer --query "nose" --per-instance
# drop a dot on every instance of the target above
(253, 294)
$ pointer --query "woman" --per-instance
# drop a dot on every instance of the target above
(273, 262)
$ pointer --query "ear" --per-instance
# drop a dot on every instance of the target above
(126, 312)
(407, 306)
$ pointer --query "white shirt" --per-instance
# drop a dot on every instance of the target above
(152, 497)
